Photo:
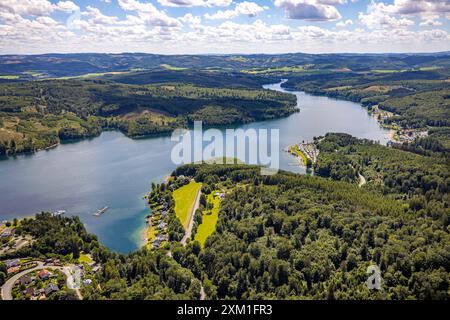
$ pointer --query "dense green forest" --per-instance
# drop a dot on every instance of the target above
(389, 170)
(289, 236)
(38, 114)
(418, 99)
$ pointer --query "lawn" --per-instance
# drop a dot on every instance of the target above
(9, 77)
(84, 258)
(209, 220)
(296, 151)
(172, 68)
(184, 201)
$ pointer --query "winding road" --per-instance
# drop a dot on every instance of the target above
(67, 270)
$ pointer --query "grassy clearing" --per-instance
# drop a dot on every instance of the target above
(184, 201)
(273, 70)
(172, 68)
(9, 77)
(84, 258)
(296, 152)
(210, 218)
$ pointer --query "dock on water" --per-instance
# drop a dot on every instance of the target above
(101, 211)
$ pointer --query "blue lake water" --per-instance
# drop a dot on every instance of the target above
(115, 171)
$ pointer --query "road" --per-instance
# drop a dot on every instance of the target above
(188, 233)
(68, 270)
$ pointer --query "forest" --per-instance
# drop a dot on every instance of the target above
(286, 236)
(38, 114)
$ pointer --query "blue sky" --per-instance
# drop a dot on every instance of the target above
(224, 26)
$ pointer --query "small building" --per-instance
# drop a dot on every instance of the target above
(87, 282)
(162, 225)
(96, 268)
(51, 288)
(12, 263)
(30, 292)
(12, 270)
(26, 279)
(6, 233)
(44, 274)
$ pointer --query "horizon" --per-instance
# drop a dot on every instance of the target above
(230, 54)
(194, 27)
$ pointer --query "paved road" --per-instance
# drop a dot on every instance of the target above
(188, 233)
(68, 271)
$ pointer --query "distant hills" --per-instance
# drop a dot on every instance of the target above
(28, 67)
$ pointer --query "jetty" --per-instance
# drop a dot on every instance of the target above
(101, 211)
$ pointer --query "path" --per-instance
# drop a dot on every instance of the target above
(8, 285)
(188, 232)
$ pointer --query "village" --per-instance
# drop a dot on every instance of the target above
(307, 153)
(40, 279)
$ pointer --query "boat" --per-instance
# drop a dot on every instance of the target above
(58, 213)
(101, 211)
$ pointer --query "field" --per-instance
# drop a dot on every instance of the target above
(184, 200)
(169, 67)
(210, 218)
(9, 77)
(296, 151)
(84, 258)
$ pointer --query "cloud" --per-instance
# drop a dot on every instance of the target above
(430, 23)
(313, 10)
(192, 21)
(36, 7)
(250, 9)
(67, 6)
(149, 13)
(195, 3)
(343, 24)
(380, 16)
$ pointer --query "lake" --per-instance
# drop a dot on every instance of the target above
(115, 171)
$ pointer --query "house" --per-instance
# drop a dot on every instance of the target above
(26, 279)
(96, 268)
(87, 282)
(30, 292)
(51, 288)
(12, 270)
(156, 243)
(6, 233)
(12, 263)
(162, 225)
(44, 274)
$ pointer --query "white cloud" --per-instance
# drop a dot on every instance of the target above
(250, 9)
(191, 20)
(27, 7)
(314, 10)
(380, 15)
(67, 6)
(430, 23)
(36, 7)
(343, 24)
(195, 3)
(149, 13)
